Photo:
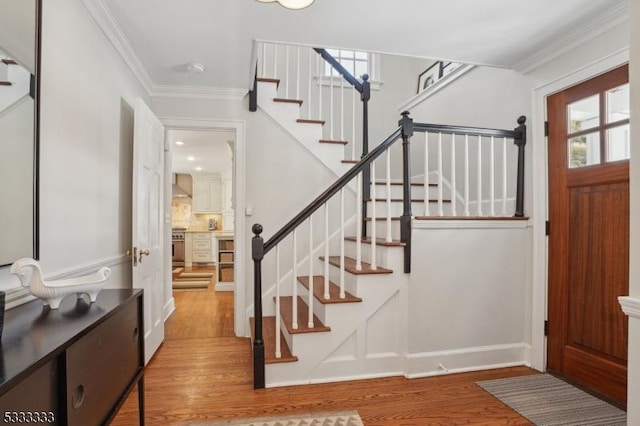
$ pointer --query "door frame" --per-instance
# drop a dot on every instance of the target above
(540, 213)
(239, 187)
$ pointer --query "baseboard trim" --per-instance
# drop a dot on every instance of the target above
(168, 309)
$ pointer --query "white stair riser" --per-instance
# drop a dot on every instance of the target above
(417, 208)
(381, 229)
(386, 257)
(417, 192)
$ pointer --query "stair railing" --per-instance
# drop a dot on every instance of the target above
(405, 132)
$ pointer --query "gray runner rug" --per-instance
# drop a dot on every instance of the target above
(546, 401)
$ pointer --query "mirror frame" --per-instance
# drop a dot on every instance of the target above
(34, 90)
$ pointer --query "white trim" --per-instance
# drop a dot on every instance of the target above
(325, 80)
(539, 187)
(605, 21)
(105, 20)
(502, 223)
(436, 87)
(334, 379)
(168, 309)
(630, 306)
(193, 92)
(241, 323)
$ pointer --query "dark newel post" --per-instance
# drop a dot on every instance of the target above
(253, 94)
(405, 221)
(365, 95)
(520, 140)
(257, 253)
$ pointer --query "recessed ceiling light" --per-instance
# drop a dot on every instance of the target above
(198, 168)
(191, 158)
(179, 143)
(195, 68)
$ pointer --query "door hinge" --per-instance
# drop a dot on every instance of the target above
(546, 128)
(546, 327)
(547, 228)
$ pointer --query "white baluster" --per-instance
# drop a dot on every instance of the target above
(440, 180)
(504, 176)
(294, 288)
(479, 175)
(466, 176)
(342, 225)
(353, 123)
(331, 118)
(359, 223)
(374, 264)
(310, 301)
(286, 72)
(492, 179)
(426, 174)
(264, 59)
(341, 109)
(275, 61)
(278, 350)
(453, 175)
(298, 72)
(309, 84)
(388, 183)
(320, 76)
(326, 251)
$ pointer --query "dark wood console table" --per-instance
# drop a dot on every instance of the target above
(74, 365)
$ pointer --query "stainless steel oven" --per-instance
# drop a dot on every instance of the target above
(177, 247)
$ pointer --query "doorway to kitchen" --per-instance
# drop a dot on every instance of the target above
(202, 232)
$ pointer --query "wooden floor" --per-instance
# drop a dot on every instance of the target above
(201, 374)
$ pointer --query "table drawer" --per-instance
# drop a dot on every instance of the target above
(101, 365)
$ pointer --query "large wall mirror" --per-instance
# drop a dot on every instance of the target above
(20, 24)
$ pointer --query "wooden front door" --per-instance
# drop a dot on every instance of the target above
(588, 149)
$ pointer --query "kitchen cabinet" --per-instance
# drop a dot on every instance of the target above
(226, 262)
(201, 248)
(207, 194)
(74, 365)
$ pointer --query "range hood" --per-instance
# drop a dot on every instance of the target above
(177, 191)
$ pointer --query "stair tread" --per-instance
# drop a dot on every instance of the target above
(309, 121)
(368, 219)
(400, 183)
(268, 336)
(5, 83)
(333, 141)
(9, 62)
(334, 291)
(379, 242)
(268, 80)
(413, 200)
(286, 312)
(288, 101)
(350, 161)
(470, 218)
(350, 266)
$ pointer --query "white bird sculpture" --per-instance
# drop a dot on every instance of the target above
(52, 292)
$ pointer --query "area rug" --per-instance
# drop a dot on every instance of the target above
(547, 401)
(182, 284)
(196, 275)
(350, 418)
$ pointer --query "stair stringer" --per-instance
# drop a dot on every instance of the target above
(307, 134)
(314, 350)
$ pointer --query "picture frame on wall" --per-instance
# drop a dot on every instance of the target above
(429, 76)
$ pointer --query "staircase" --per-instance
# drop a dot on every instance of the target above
(14, 84)
(329, 309)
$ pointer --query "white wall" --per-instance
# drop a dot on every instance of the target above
(86, 146)
(468, 295)
(633, 413)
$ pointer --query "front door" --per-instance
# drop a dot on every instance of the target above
(148, 167)
(588, 149)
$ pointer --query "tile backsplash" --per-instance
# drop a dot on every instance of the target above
(182, 217)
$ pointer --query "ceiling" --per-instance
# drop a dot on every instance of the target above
(164, 35)
(202, 151)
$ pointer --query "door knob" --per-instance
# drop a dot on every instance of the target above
(144, 252)
(133, 254)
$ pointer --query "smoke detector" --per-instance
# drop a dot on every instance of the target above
(194, 68)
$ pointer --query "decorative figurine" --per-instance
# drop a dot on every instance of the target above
(52, 292)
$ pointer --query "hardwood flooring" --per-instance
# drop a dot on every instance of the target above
(202, 374)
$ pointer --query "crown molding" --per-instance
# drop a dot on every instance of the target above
(630, 306)
(589, 30)
(194, 92)
(110, 28)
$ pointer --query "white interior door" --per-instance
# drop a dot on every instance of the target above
(147, 239)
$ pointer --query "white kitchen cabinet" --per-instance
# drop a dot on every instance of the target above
(207, 194)
(202, 247)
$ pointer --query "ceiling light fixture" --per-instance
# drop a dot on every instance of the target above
(195, 68)
(291, 4)
(179, 143)
(190, 158)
